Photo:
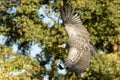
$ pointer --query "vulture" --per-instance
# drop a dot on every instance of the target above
(79, 44)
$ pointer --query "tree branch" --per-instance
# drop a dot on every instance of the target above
(48, 15)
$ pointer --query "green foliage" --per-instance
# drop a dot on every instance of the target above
(105, 67)
(23, 27)
(16, 67)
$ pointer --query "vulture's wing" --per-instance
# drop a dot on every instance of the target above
(80, 46)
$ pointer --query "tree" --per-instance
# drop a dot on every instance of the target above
(21, 25)
(15, 66)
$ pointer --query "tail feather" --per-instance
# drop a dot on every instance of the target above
(93, 50)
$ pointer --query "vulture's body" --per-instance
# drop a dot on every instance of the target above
(80, 47)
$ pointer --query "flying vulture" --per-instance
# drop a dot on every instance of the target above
(80, 46)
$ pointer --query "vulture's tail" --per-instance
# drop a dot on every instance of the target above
(93, 50)
(68, 15)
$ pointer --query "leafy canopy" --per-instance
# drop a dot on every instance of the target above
(21, 24)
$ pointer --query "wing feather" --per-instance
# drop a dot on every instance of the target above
(68, 16)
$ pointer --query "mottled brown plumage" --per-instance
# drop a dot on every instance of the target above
(80, 46)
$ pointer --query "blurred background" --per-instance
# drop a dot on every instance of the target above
(31, 30)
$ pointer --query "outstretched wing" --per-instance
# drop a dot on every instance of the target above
(80, 47)
(73, 23)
